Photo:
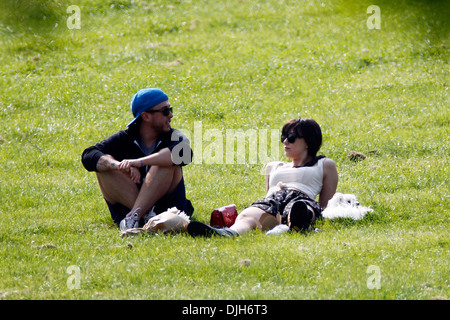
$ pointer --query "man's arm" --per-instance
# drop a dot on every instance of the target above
(108, 148)
(107, 163)
(162, 158)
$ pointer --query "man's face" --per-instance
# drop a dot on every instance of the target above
(156, 117)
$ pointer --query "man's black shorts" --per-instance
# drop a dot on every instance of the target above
(176, 198)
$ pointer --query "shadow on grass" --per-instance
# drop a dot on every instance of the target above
(37, 16)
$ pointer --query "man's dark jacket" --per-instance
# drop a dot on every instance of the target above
(125, 145)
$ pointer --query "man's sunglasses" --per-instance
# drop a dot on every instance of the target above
(165, 111)
(290, 137)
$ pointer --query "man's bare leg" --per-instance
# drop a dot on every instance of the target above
(117, 187)
(158, 182)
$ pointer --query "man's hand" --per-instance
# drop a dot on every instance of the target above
(107, 163)
(130, 166)
(135, 175)
(129, 163)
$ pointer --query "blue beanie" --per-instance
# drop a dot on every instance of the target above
(144, 100)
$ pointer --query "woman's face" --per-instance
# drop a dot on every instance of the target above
(297, 149)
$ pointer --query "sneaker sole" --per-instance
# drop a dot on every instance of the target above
(123, 225)
(299, 217)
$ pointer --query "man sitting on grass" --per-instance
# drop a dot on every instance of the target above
(139, 170)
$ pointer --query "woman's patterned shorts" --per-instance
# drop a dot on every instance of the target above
(281, 202)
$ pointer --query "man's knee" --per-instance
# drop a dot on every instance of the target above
(117, 187)
(171, 175)
(111, 175)
(163, 170)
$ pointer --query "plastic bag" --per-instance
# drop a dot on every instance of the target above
(172, 220)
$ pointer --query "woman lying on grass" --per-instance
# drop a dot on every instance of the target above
(291, 187)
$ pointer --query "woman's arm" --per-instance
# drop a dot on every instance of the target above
(267, 175)
(330, 182)
(269, 168)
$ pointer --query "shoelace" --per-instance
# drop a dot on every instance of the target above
(133, 214)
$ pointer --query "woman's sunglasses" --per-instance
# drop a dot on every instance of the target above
(290, 137)
(165, 111)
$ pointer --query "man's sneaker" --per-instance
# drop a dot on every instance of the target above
(198, 229)
(148, 216)
(300, 218)
(130, 221)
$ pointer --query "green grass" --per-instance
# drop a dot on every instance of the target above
(232, 65)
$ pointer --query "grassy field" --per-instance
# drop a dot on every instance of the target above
(227, 65)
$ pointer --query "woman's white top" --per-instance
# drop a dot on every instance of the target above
(308, 180)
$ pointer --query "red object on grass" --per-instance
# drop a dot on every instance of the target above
(224, 216)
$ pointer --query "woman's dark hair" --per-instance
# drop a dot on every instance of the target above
(307, 128)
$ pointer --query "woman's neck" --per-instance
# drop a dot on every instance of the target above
(301, 161)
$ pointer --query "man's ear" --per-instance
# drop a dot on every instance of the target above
(145, 116)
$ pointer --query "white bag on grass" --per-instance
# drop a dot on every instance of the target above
(172, 220)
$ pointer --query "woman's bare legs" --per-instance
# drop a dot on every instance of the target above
(252, 218)
(249, 219)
